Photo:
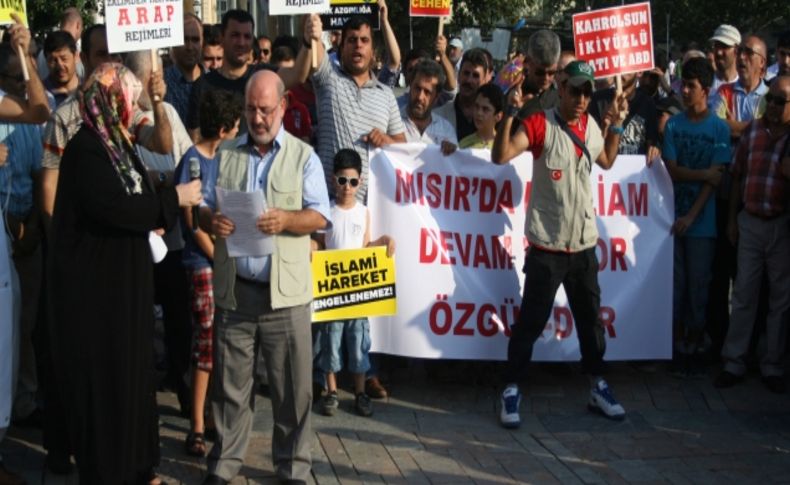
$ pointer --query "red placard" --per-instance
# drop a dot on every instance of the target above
(615, 40)
(430, 8)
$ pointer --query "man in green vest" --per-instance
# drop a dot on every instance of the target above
(263, 302)
(561, 228)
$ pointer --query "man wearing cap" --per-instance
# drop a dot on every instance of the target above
(455, 51)
(725, 40)
(561, 228)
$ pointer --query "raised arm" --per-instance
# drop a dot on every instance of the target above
(34, 109)
(506, 146)
(303, 66)
(390, 42)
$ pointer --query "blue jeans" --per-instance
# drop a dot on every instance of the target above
(693, 271)
(356, 334)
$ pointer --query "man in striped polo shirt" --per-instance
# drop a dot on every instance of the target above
(354, 109)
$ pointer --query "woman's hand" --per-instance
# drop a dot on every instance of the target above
(189, 194)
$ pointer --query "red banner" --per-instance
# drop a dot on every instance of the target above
(430, 8)
(615, 40)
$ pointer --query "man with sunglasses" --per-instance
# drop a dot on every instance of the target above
(561, 228)
(760, 187)
(264, 49)
(538, 88)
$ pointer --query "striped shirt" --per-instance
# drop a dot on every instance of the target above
(347, 112)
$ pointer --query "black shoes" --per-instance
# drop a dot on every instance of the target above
(726, 379)
(775, 384)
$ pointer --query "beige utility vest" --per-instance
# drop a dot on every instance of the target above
(290, 278)
(560, 216)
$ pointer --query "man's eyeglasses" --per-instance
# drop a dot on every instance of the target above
(353, 181)
(777, 100)
(252, 112)
(265, 52)
(742, 49)
(540, 72)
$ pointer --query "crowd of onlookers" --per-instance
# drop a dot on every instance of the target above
(718, 118)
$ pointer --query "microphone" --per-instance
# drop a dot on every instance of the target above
(194, 174)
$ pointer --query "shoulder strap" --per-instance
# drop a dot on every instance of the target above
(574, 137)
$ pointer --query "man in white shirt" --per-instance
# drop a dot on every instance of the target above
(421, 125)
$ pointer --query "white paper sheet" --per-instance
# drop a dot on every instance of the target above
(244, 209)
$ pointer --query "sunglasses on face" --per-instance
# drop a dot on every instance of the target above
(579, 92)
(265, 52)
(353, 181)
(777, 100)
(540, 72)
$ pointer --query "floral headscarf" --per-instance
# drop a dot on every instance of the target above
(107, 106)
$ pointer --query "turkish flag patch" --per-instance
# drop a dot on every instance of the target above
(556, 174)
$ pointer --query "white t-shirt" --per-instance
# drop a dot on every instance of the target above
(348, 227)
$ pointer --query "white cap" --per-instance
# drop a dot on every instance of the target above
(727, 35)
(457, 43)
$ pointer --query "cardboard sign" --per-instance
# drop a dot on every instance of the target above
(7, 7)
(297, 7)
(342, 10)
(134, 25)
(615, 40)
(430, 8)
(353, 283)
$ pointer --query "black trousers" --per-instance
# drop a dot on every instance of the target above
(171, 290)
(545, 271)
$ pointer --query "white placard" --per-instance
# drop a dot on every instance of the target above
(134, 25)
(298, 7)
(458, 222)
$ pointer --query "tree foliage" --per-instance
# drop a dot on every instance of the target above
(45, 15)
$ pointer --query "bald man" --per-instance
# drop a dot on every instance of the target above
(263, 302)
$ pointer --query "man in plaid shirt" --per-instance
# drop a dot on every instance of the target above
(762, 230)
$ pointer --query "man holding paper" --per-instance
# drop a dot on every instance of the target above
(263, 300)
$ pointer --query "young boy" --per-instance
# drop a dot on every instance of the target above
(696, 146)
(350, 230)
(220, 112)
(489, 104)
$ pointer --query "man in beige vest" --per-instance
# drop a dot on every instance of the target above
(263, 302)
(561, 228)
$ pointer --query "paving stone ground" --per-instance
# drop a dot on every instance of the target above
(444, 431)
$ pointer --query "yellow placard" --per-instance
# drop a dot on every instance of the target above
(353, 283)
(7, 7)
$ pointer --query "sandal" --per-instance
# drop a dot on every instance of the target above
(195, 444)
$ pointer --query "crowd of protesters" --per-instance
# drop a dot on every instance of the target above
(110, 168)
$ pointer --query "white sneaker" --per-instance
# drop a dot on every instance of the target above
(602, 400)
(508, 414)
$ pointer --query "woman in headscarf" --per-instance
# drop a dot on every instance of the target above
(102, 285)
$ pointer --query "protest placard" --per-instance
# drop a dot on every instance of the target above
(297, 7)
(353, 283)
(616, 40)
(7, 7)
(458, 224)
(134, 25)
(430, 8)
(341, 10)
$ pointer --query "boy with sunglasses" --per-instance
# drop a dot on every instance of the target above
(350, 230)
(561, 228)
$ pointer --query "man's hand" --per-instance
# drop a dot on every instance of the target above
(273, 221)
(681, 225)
(383, 11)
(20, 36)
(378, 138)
(3, 154)
(156, 86)
(713, 176)
(515, 97)
(441, 45)
(448, 147)
(618, 110)
(221, 226)
(653, 154)
(312, 28)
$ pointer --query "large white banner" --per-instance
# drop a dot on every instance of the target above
(458, 222)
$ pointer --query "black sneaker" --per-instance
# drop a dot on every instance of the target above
(726, 379)
(329, 404)
(775, 384)
(363, 406)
